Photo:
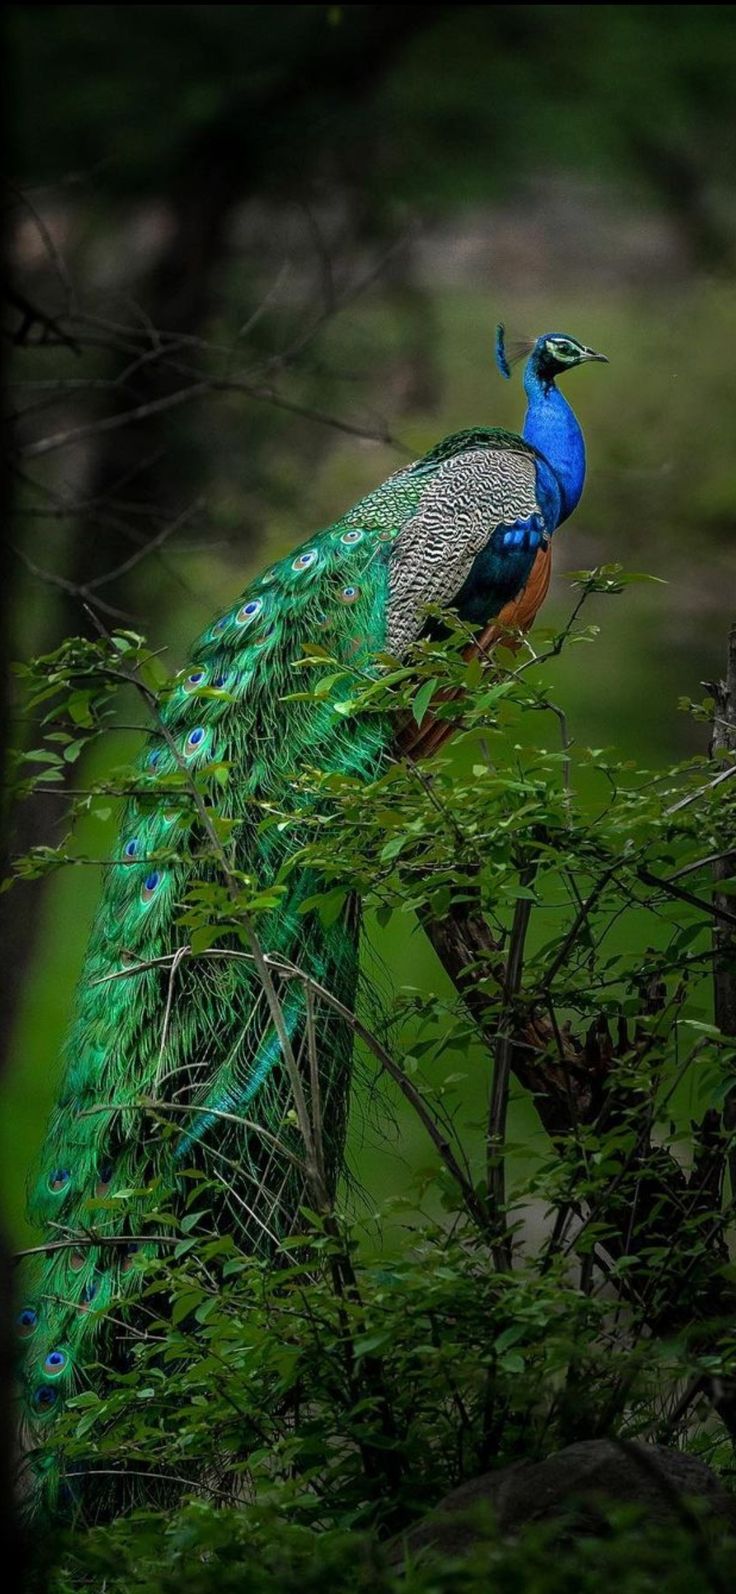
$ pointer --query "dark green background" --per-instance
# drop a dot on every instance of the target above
(557, 167)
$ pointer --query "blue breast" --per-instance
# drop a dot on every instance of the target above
(551, 426)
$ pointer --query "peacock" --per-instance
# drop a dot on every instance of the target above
(219, 1041)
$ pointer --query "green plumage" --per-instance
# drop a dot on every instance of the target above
(199, 1037)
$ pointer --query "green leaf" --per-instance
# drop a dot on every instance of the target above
(328, 904)
(423, 699)
(184, 1305)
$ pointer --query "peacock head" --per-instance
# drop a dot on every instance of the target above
(551, 355)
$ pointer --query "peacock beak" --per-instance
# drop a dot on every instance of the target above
(590, 354)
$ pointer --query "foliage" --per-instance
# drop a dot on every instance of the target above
(205, 1551)
(591, 1292)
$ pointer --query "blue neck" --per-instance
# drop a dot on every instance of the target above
(551, 426)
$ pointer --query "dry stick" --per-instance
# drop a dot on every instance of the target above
(166, 531)
(726, 774)
(197, 390)
(151, 1105)
(412, 1095)
(51, 247)
(577, 924)
(112, 423)
(408, 1090)
(78, 1240)
(495, 1155)
(33, 316)
(51, 578)
(703, 863)
(198, 1486)
(234, 1195)
(721, 914)
(314, 1082)
(176, 960)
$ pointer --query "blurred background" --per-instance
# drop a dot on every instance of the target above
(256, 257)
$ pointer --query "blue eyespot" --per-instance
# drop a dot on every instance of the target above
(246, 615)
(27, 1321)
(304, 560)
(351, 536)
(88, 1293)
(197, 678)
(349, 594)
(44, 1398)
(154, 758)
(129, 1254)
(220, 625)
(150, 885)
(195, 740)
(56, 1363)
(104, 1178)
(131, 848)
(58, 1180)
(220, 682)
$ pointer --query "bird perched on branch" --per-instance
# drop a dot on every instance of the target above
(205, 1060)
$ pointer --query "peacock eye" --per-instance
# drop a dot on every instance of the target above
(55, 1363)
(195, 740)
(197, 678)
(44, 1398)
(304, 560)
(150, 885)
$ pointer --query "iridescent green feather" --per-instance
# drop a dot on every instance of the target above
(233, 706)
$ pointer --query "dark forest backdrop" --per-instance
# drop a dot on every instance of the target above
(284, 235)
(255, 259)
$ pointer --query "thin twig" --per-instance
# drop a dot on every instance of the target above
(292, 971)
(495, 1154)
